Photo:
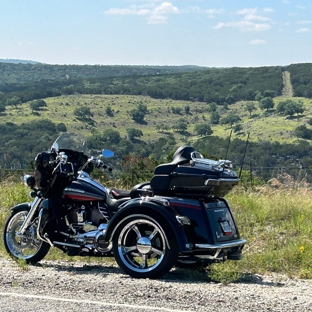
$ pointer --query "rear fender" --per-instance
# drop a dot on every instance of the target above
(165, 215)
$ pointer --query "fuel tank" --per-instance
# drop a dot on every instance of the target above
(85, 189)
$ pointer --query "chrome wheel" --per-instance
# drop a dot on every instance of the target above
(141, 248)
(26, 246)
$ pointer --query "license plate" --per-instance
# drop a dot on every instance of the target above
(225, 226)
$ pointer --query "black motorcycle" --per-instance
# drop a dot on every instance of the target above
(178, 218)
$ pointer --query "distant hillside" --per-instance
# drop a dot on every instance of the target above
(15, 61)
(15, 71)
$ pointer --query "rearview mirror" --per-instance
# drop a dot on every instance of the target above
(107, 153)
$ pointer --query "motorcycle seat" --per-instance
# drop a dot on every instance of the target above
(119, 193)
(114, 203)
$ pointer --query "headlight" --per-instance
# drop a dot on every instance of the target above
(29, 180)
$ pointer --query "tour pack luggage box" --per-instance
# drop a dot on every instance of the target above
(196, 177)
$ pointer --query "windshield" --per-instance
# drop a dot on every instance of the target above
(71, 141)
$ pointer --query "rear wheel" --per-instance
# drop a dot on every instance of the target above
(27, 246)
(141, 248)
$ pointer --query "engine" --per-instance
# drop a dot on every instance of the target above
(88, 222)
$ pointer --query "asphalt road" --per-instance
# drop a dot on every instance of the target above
(82, 286)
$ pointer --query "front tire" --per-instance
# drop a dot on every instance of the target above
(140, 246)
(27, 246)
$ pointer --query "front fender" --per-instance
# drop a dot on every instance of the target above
(21, 206)
(156, 210)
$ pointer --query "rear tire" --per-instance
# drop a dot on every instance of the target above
(140, 246)
(27, 246)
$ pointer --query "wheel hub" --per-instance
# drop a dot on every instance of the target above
(144, 245)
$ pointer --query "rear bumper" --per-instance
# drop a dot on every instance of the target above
(217, 252)
(236, 243)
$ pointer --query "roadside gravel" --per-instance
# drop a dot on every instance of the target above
(81, 286)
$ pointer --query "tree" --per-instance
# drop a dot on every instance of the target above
(266, 103)
(187, 109)
(303, 132)
(137, 115)
(109, 111)
(258, 96)
(15, 100)
(162, 127)
(238, 128)
(37, 105)
(290, 107)
(176, 110)
(212, 107)
(2, 108)
(83, 112)
(230, 119)
(250, 107)
(180, 126)
(203, 129)
(214, 118)
(111, 136)
(61, 127)
(134, 133)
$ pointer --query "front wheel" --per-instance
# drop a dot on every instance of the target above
(141, 248)
(27, 246)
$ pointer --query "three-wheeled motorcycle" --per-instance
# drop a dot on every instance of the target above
(179, 217)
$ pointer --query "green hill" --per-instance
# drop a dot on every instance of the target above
(151, 115)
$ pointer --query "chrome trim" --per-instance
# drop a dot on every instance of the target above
(216, 182)
(66, 244)
(31, 213)
(44, 238)
(183, 220)
(239, 242)
(138, 216)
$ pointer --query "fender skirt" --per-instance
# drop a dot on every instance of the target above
(154, 209)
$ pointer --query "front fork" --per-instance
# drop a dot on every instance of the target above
(33, 208)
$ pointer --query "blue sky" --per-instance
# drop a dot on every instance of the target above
(212, 33)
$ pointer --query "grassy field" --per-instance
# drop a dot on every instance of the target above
(260, 125)
(275, 222)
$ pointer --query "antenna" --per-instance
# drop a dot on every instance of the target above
(241, 168)
(227, 149)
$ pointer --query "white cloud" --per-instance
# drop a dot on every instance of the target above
(220, 25)
(247, 11)
(156, 14)
(213, 12)
(157, 19)
(244, 25)
(304, 22)
(301, 7)
(251, 21)
(268, 10)
(165, 8)
(303, 30)
(210, 12)
(257, 42)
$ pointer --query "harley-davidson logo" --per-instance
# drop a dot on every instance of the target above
(74, 190)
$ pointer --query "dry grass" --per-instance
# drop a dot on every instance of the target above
(275, 221)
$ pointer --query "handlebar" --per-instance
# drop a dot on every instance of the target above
(100, 164)
(97, 162)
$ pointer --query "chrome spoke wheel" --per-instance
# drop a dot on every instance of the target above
(141, 245)
(141, 248)
(23, 246)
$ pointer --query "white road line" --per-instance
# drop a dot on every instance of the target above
(90, 302)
